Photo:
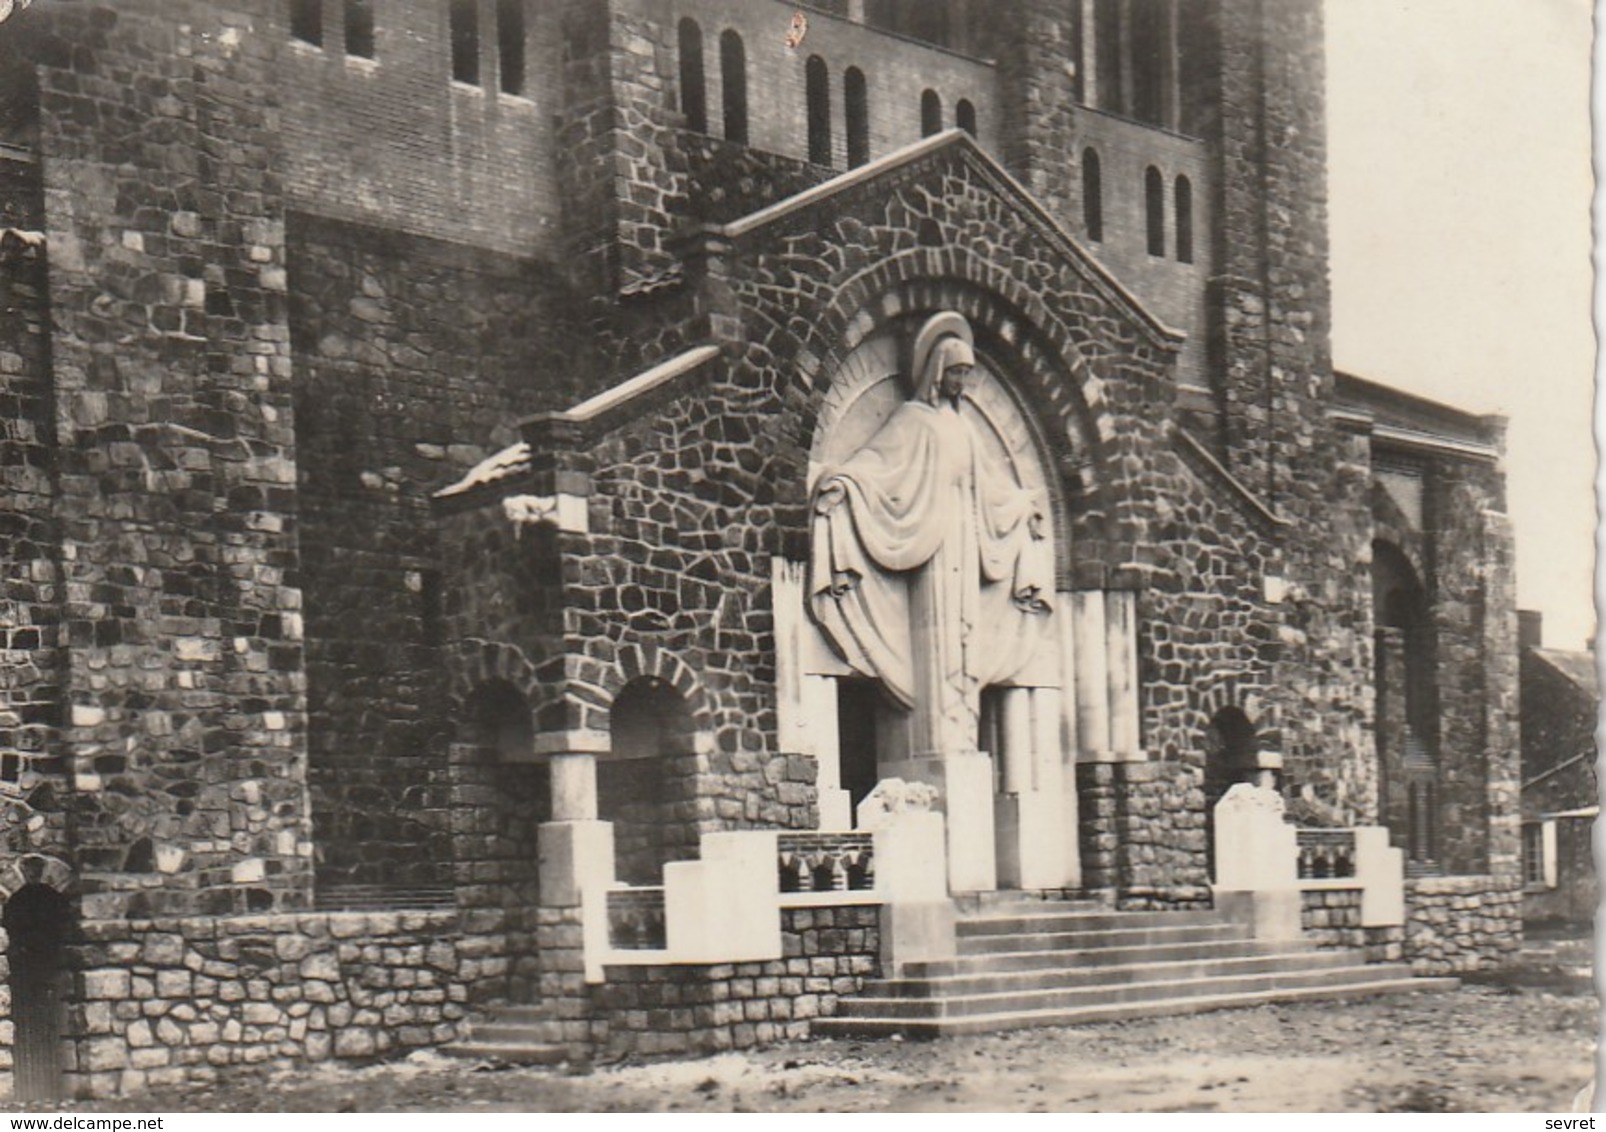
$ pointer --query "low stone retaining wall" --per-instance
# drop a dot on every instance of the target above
(701, 1007)
(1331, 918)
(163, 1002)
(1463, 923)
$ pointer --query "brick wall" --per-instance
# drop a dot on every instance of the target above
(896, 71)
(394, 141)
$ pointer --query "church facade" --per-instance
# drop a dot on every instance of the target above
(605, 508)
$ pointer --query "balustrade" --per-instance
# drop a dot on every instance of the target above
(825, 862)
(1326, 853)
(636, 919)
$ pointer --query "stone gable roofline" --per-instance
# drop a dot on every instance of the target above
(1166, 337)
(1201, 460)
(596, 412)
(1577, 668)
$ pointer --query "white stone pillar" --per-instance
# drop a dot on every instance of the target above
(1070, 742)
(1092, 679)
(822, 741)
(1047, 771)
(574, 786)
(1121, 628)
(1017, 753)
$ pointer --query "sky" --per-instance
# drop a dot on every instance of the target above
(1459, 195)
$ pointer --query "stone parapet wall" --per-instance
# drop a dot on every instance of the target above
(702, 1008)
(166, 1002)
(1464, 923)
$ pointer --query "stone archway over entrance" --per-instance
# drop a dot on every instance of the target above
(37, 919)
(647, 779)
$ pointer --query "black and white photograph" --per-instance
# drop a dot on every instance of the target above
(742, 556)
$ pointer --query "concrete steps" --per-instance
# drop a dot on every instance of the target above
(514, 1035)
(1061, 963)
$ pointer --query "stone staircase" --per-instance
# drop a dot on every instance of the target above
(1024, 963)
(516, 1035)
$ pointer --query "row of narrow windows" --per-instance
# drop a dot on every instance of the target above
(1133, 57)
(817, 94)
(1154, 208)
(931, 114)
(463, 20)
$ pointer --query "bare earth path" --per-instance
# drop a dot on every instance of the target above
(1518, 1042)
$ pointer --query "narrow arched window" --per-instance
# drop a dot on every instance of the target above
(857, 104)
(693, 86)
(733, 76)
(1146, 34)
(306, 21)
(1184, 209)
(965, 116)
(1107, 55)
(510, 44)
(1154, 199)
(359, 29)
(817, 83)
(1092, 196)
(930, 113)
(464, 20)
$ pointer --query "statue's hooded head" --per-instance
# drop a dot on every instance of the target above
(945, 341)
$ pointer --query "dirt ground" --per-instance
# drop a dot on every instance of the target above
(1520, 1041)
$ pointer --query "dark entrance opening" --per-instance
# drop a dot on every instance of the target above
(1230, 747)
(37, 920)
(858, 703)
(646, 780)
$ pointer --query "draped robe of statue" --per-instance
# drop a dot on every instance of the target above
(929, 566)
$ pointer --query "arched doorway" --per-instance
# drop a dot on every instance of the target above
(1406, 683)
(37, 920)
(1230, 758)
(644, 782)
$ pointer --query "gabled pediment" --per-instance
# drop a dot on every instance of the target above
(930, 164)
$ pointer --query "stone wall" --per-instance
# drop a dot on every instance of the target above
(1472, 590)
(1331, 918)
(32, 773)
(1462, 923)
(1142, 829)
(726, 181)
(184, 721)
(414, 357)
(704, 1008)
(167, 1002)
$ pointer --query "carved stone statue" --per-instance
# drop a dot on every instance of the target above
(930, 566)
